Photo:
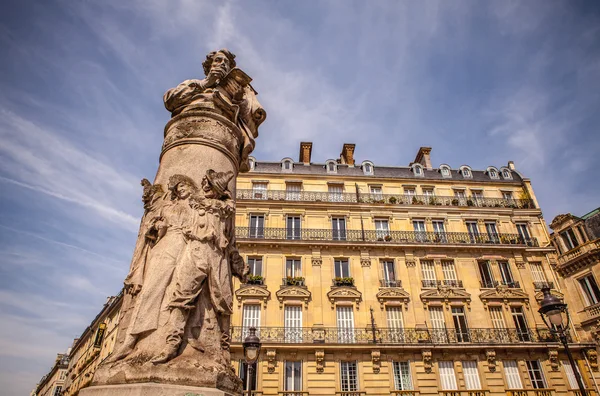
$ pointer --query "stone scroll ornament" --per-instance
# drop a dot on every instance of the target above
(175, 322)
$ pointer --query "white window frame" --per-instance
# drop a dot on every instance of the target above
(512, 375)
(589, 295)
(290, 383)
(570, 373)
(340, 263)
(446, 171)
(292, 191)
(335, 192)
(345, 323)
(338, 227)
(471, 375)
(382, 228)
(259, 230)
(293, 267)
(402, 375)
(349, 376)
(259, 190)
(533, 367)
(292, 315)
(388, 276)
(394, 316)
(466, 172)
(507, 174)
(447, 375)
(293, 230)
(250, 318)
(252, 261)
(418, 170)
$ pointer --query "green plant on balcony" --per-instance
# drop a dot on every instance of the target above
(294, 281)
(387, 238)
(416, 201)
(434, 201)
(346, 281)
(470, 202)
(255, 280)
(393, 200)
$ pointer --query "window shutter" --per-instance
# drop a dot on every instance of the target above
(511, 372)
(570, 374)
(471, 375)
(447, 377)
(497, 318)
(436, 315)
(394, 317)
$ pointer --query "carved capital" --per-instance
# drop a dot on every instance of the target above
(376, 360)
(490, 355)
(320, 359)
(553, 359)
(427, 363)
(365, 261)
(317, 261)
(271, 355)
(411, 263)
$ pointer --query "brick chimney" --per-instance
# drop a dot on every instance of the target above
(423, 157)
(347, 154)
(305, 152)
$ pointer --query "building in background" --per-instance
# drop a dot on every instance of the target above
(92, 347)
(52, 384)
(577, 241)
(378, 280)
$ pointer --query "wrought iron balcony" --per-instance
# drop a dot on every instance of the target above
(293, 281)
(336, 335)
(488, 284)
(350, 393)
(390, 283)
(452, 283)
(512, 285)
(542, 285)
(392, 199)
(428, 283)
(529, 392)
(255, 280)
(481, 392)
(347, 281)
(375, 236)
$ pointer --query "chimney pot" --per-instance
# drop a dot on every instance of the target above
(347, 154)
(424, 157)
(305, 152)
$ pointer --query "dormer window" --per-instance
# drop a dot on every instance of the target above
(466, 172)
(331, 166)
(445, 171)
(506, 174)
(417, 170)
(251, 163)
(367, 168)
(492, 173)
(287, 165)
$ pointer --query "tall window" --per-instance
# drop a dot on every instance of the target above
(492, 232)
(255, 265)
(341, 268)
(460, 324)
(511, 372)
(537, 274)
(394, 317)
(445, 171)
(449, 271)
(293, 227)
(497, 318)
(388, 273)
(244, 375)
(292, 191)
(571, 374)
(438, 325)
(536, 375)
(338, 225)
(471, 375)
(409, 192)
(507, 278)
(461, 196)
(402, 378)
(348, 376)
(507, 195)
(345, 324)
(259, 190)
(293, 376)
(382, 228)
(477, 197)
(293, 323)
(570, 240)
(250, 318)
(520, 323)
(420, 233)
(473, 231)
(376, 193)
(439, 230)
(447, 376)
(590, 289)
(523, 231)
(428, 273)
(257, 226)
(293, 267)
(428, 193)
(57, 391)
(487, 278)
(336, 192)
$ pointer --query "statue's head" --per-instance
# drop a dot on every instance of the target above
(181, 187)
(219, 62)
(215, 184)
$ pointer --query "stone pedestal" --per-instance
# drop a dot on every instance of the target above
(151, 389)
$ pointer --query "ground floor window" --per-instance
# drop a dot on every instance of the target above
(348, 376)
(402, 379)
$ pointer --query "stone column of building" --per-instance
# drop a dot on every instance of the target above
(175, 321)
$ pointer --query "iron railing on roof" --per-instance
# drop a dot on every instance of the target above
(412, 237)
(393, 199)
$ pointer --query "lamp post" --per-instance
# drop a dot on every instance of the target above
(554, 313)
(252, 346)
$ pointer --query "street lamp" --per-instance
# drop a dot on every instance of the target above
(554, 314)
(251, 352)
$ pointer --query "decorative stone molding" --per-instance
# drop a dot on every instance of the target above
(520, 264)
(390, 294)
(411, 263)
(293, 293)
(252, 292)
(320, 359)
(365, 261)
(344, 293)
(553, 359)
(446, 295)
(316, 261)
(376, 360)
(592, 356)
(490, 355)
(427, 363)
(505, 295)
(271, 354)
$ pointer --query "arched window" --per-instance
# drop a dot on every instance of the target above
(417, 170)
(445, 171)
(492, 172)
(287, 165)
(507, 174)
(367, 167)
(331, 166)
(466, 172)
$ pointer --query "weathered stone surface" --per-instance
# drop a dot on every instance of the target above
(174, 325)
(151, 389)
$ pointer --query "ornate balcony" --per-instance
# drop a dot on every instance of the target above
(391, 237)
(464, 393)
(427, 283)
(293, 281)
(404, 392)
(530, 392)
(511, 285)
(587, 250)
(351, 393)
(389, 199)
(542, 285)
(592, 311)
(390, 283)
(387, 336)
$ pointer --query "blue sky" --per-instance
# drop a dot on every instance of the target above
(81, 119)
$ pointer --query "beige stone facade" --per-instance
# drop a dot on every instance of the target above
(52, 384)
(94, 345)
(376, 280)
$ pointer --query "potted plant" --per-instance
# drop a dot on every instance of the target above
(346, 281)
(388, 238)
(393, 200)
(255, 280)
(469, 202)
(455, 202)
(294, 281)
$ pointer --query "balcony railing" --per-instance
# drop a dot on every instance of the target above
(350, 393)
(530, 392)
(404, 393)
(255, 280)
(390, 283)
(338, 282)
(512, 285)
(293, 281)
(410, 237)
(593, 310)
(292, 393)
(463, 393)
(428, 283)
(391, 199)
(578, 251)
(337, 335)
(542, 285)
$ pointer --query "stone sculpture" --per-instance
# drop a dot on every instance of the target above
(175, 321)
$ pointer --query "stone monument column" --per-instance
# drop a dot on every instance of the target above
(174, 328)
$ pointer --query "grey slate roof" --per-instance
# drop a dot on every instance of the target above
(378, 171)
